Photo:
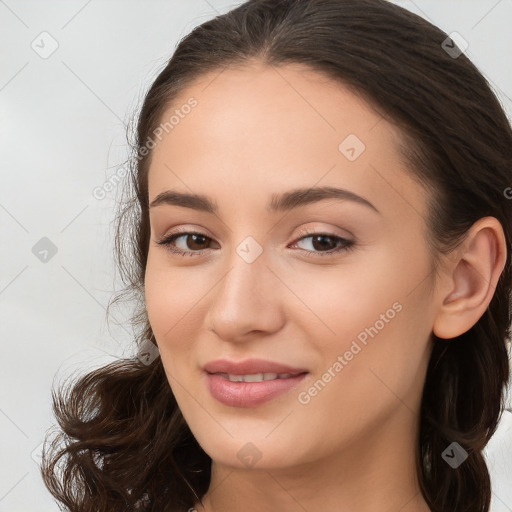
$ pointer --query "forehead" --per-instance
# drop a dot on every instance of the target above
(258, 127)
(264, 99)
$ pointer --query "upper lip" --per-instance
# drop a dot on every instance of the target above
(249, 367)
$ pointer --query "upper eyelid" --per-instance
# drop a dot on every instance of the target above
(303, 232)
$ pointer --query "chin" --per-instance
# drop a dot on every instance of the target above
(250, 451)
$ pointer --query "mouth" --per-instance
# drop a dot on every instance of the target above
(255, 377)
(242, 385)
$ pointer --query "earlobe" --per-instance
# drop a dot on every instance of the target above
(472, 279)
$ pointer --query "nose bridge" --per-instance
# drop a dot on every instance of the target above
(247, 271)
(245, 299)
(245, 282)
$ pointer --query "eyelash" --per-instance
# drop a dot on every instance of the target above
(346, 244)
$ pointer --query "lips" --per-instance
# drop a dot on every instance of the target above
(251, 367)
(250, 383)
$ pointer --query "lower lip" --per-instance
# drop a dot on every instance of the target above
(249, 394)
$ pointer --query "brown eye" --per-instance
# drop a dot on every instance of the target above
(192, 244)
(325, 244)
(194, 241)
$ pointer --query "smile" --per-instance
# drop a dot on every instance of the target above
(250, 390)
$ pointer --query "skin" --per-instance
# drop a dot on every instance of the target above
(258, 131)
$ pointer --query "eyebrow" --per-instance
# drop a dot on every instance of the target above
(278, 203)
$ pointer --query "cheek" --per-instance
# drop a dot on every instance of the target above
(377, 318)
(362, 384)
(167, 316)
(342, 302)
(159, 303)
(165, 300)
(175, 302)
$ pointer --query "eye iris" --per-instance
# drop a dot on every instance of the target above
(322, 244)
(195, 237)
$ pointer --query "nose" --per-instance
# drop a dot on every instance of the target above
(246, 301)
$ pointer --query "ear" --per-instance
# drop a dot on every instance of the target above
(471, 278)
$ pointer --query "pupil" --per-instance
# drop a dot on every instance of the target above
(322, 245)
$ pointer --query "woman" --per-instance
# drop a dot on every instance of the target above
(320, 233)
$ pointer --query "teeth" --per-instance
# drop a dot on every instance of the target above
(255, 377)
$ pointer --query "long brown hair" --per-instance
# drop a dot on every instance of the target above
(123, 443)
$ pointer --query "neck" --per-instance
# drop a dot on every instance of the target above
(376, 474)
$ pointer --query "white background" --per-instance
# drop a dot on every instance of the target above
(63, 135)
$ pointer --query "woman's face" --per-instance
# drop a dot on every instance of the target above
(337, 287)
